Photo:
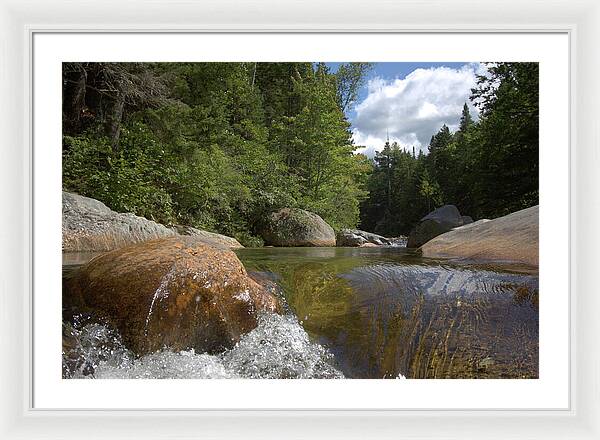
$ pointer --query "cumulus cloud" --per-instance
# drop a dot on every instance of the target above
(414, 108)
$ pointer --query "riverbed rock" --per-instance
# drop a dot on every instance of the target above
(356, 237)
(512, 238)
(88, 225)
(435, 223)
(297, 227)
(399, 241)
(218, 240)
(175, 292)
(467, 225)
(466, 219)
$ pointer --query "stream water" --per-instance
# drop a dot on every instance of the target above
(355, 313)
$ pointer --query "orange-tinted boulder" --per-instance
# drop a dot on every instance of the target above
(175, 292)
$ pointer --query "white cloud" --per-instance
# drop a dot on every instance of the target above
(412, 109)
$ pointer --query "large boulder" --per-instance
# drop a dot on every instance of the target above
(435, 223)
(356, 237)
(175, 292)
(88, 225)
(218, 240)
(512, 238)
(297, 227)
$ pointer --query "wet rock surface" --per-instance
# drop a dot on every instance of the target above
(175, 292)
(356, 237)
(278, 348)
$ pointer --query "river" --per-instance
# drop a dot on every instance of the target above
(356, 313)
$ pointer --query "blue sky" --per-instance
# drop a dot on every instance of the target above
(411, 101)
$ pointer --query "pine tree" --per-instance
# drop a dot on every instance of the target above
(465, 120)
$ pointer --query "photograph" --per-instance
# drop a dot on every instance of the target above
(300, 220)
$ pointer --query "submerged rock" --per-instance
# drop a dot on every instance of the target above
(88, 225)
(356, 237)
(512, 238)
(176, 292)
(297, 227)
(368, 245)
(435, 223)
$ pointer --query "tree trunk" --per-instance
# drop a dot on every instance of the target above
(74, 100)
(113, 120)
(78, 99)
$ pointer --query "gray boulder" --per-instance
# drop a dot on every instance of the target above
(435, 223)
(356, 237)
(88, 225)
(297, 227)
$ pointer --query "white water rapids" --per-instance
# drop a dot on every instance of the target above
(278, 348)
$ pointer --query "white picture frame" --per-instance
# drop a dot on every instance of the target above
(20, 20)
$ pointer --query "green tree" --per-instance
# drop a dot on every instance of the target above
(350, 77)
(430, 190)
(212, 145)
(508, 100)
(466, 120)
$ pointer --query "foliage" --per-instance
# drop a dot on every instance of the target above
(349, 79)
(217, 146)
(487, 168)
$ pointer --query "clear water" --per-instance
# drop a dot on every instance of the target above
(355, 313)
(385, 312)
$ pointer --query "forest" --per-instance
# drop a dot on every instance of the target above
(219, 146)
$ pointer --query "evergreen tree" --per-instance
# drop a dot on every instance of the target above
(465, 120)
(487, 168)
(221, 145)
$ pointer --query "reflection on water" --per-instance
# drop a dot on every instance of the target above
(385, 312)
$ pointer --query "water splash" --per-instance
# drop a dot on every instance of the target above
(161, 293)
(278, 348)
(88, 343)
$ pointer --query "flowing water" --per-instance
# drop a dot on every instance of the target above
(277, 349)
(355, 313)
